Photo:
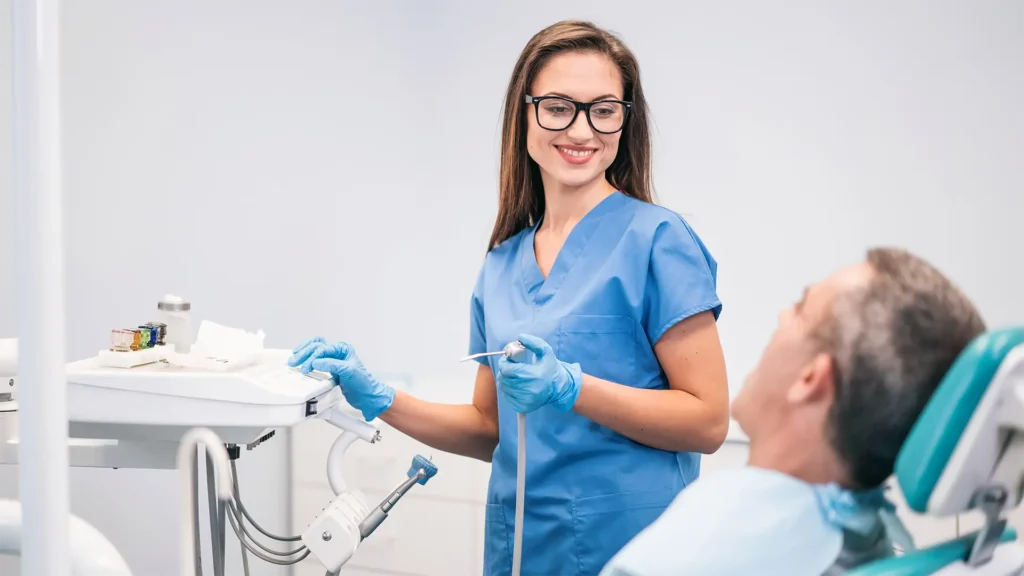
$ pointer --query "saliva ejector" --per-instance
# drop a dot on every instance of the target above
(515, 351)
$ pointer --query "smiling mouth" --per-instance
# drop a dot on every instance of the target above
(575, 153)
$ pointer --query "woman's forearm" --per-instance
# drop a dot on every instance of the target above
(457, 428)
(671, 420)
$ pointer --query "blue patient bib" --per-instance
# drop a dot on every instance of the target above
(749, 521)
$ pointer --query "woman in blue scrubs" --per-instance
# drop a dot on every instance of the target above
(615, 296)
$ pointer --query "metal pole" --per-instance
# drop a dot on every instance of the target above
(42, 383)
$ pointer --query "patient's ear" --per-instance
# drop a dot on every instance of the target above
(816, 382)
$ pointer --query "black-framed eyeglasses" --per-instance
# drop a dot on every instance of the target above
(556, 113)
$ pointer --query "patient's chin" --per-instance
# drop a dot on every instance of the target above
(738, 409)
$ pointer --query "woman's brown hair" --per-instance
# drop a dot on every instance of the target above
(521, 193)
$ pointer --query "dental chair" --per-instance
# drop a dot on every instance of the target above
(966, 452)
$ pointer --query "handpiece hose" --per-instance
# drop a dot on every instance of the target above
(517, 539)
(515, 351)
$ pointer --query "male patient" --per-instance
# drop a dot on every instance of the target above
(844, 377)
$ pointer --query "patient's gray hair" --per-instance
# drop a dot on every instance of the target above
(891, 344)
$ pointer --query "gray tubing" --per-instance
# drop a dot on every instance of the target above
(238, 500)
(234, 513)
(517, 539)
(245, 512)
(221, 533)
(218, 511)
(216, 520)
(196, 541)
(241, 507)
(237, 517)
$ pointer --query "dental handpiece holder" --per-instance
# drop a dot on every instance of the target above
(335, 535)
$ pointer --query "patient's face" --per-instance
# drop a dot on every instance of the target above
(791, 365)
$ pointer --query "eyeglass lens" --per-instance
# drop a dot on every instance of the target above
(556, 114)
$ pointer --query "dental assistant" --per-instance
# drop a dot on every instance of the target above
(616, 298)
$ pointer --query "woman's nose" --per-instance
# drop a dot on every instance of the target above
(580, 128)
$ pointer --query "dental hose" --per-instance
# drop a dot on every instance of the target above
(516, 351)
(225, 501)
(517, 538)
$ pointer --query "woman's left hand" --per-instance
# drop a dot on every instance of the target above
(529, 385)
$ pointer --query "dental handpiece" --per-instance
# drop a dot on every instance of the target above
(380, 513)
(420, 472)
(513, 350)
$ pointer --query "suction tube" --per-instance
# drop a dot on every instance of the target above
(516, 351)
(517, 539)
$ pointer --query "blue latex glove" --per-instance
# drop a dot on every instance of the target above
(364, 392)
(315, 348)
(531, 383)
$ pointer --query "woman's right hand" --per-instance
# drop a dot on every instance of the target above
(360, 388)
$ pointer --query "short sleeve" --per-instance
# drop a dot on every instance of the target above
(682, 278)
(477, 331)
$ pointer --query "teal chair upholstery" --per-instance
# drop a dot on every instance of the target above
(956, 457)
(927, 560)
(937, 432)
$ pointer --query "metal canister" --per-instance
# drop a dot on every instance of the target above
(176, 313)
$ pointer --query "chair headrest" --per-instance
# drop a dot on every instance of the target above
(962, 413)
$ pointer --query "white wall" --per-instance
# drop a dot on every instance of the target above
(329, 168)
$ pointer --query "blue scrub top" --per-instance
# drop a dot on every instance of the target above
(627, 273)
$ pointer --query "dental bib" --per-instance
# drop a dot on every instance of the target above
(750, 521)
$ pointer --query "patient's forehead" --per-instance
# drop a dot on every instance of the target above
(819, 297)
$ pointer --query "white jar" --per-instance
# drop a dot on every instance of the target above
(176, 313)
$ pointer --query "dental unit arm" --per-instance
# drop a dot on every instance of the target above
(966, 453)
(334, 535)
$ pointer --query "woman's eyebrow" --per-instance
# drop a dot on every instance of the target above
(602, 97)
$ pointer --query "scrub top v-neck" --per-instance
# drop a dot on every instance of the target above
(627, 272)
